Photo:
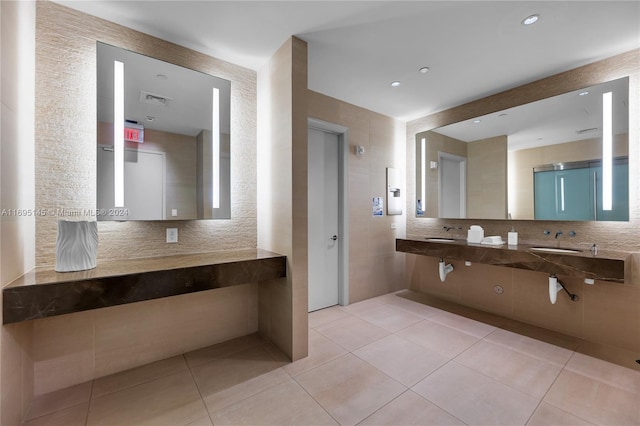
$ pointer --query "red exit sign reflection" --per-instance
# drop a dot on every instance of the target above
(133, 135)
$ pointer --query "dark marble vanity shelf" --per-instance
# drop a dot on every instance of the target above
(43, 292)
(605, 266)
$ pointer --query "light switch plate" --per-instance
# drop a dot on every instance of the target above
(172, 235)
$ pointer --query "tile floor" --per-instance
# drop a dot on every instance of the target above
(383, 361)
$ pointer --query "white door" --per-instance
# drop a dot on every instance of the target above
(144, 189)
(324, 241)
(452, 188)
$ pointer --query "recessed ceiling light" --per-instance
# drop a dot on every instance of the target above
(504, 114)
(583, 93)
(150, 118)
(477, 121)
(424, 70)
(162, 77)
(395, 83)
(531, 19)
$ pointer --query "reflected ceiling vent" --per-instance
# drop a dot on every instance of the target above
(583, 131)
(153, 99)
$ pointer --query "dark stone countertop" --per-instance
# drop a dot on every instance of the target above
(605, 266)
(43, 292)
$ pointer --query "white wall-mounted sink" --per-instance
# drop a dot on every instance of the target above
(554, 250)
(440, 240)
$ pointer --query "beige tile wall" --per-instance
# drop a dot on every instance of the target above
(282, 189)
(487, 178)
(74, 348)
(17, 233)
(17, 372)
(66, 129)
(374, 266)
(606, 312)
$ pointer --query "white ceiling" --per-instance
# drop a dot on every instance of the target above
(357, 48)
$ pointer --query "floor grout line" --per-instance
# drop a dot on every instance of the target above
(195, 382)
(86, 419)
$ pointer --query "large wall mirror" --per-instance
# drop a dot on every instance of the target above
(561, 158)
(163, 140)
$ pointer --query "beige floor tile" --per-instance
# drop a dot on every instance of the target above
(385, 298)
(72, 416)
(546, 415)
(410, 409)
(544, 335)
(522, 372)
(606, 372)
(460, 323)
(285, 404)
(402, 360)
(531, 347)
(59, 400)
(390, 318)
(594, 401)
(209, 353)
(229, 379)
(232, 369)
(321, 350)
(276, 353)
(608, 353)
(171, 400)
(136, 376)
(475, 398)
(230, 395)
(358, 307)
(349, 388)
(351, 332)
(444, 340)
(205, 421)
(324, 316)
(416, 308)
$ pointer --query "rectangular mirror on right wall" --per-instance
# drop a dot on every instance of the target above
(560, 158)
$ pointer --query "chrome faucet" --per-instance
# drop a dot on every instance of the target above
(449, 228)
(558, 234)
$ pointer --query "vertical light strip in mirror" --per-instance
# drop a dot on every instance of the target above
(562, 194)
(118, 133)
(423, 173)
(215, 149)
(607, 151)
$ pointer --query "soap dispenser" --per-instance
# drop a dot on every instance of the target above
(512, 237)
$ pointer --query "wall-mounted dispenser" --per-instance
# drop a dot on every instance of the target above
(394, 198)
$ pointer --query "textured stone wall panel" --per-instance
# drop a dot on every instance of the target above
(66, 132)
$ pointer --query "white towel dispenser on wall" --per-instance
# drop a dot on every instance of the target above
(394, 191)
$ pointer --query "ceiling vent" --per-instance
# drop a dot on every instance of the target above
(153, 99)
(583, 131)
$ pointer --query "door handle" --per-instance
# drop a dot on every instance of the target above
(334, 238)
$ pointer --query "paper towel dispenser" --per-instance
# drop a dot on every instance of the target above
(394, 191)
